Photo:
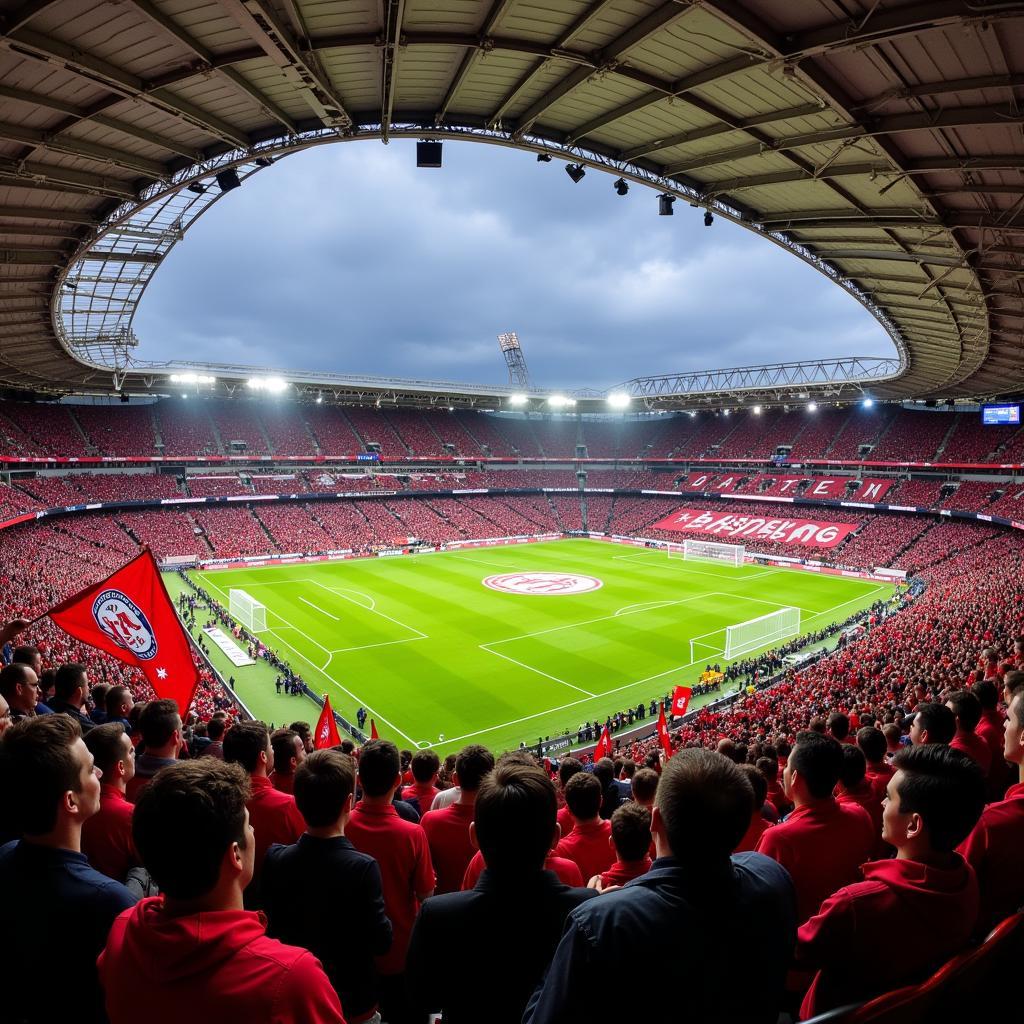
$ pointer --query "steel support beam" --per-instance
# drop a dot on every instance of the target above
(394, 12)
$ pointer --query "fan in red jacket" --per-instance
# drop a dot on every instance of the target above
(107, 835)
(823, 843)
(196, 949)
(967, 709)
(878, 771)
(588, 844)
(910, 914)
(631, 839)
(758, 822)
(994, 847)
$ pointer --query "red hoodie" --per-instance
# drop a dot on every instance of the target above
(903, 921)
(218, 966)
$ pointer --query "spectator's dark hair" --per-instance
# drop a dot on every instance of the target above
(873, 743)
(98, 695)
(304, 731)
(819, 760)
(987, 693)
(244, 742)
(967, 709)
(47, 680)
(347, 746)
(604, 771)
(758, 783)
(471, 765)
(945, 787)
(768, 767)
(379, 766)
(283, 742)
(783, 747)
(631, 831)
(854, 766)
(1013, 681)
(116, 696)
(583, 795)
(567, 768)
(158, 721)
(425, 765)
(628, 768)
(514, 817)
(938, 721)
(25, 654)
(705, 803)
(644, 785)
(215, 728)
(817, 724)
(106, 742)
(323, 782)
(868, 718)
(838, 725)
(69, 678)
(406, 760)
(37, 767)
(186, 819)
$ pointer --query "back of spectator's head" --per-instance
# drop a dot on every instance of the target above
(247, 743)
(70, 679)
(817, 724)
(98, 695)
(892, 733)
(933, 723)
(471, 765)
(215, 729)
(189, 827)
(286, 744)
(118, 701)
(967, 709)
(583, 795)
(942, 787)
(784, 747)
(838, 725)
(987, 693)
(628, 768)
(514, 817)
(324, 785)
(704, 805)
(604, 771)
(158, 722)
(379, 767)
(26, 654)
(768, 767)
(567, 768)
(727, 748)
(47, 682)
(758, 783)
(644, 786)
(1012, 681)
(425, 765)
(110, 744)
(46, 771)
(631, 831)
(854, 766)
(873, 743)
(817, 760)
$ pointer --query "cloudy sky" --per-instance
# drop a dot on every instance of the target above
(347, 258)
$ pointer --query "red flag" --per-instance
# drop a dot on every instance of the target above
(373, 730)
(663, 737)
(604, 745)
(681, 700)
(326, 728)
(130, 616)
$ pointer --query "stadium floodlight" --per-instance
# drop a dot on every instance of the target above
(517, 399)
(812, 406)
(621, 186)
(757, 410)
(575, 171)
(665, 202)
(274, 385)
(725, 412)
(319, 398)
(868, 403)
(709, 218)
(619, 400)
(693, 415)
(192, 378)
(560, 401)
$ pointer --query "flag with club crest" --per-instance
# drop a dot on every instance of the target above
(326, 728)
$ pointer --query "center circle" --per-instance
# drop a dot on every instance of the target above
(543, 584)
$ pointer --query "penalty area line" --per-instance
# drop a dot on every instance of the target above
(322, 611)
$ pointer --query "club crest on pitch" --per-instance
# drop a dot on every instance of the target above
(121, 619)
(543, 583)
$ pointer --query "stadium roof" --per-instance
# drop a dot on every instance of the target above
(879, 140)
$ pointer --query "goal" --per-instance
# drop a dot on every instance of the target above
(744, 637)
(706, 551)
(248, 611)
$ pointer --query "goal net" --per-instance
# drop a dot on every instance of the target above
(248, 611)
(706, 551)
(745, 637)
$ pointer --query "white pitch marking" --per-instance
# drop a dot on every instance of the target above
(397, 622)
(322, 611)
(530, 668)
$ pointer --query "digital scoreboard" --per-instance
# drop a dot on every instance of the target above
(1000, 415)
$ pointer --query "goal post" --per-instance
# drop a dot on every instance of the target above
(247, 610)
(707, 551)
(744, 637)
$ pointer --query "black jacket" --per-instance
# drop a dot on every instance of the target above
(496, 940)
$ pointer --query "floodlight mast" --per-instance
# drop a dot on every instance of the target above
(518, 374)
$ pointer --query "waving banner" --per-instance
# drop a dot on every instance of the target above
(730, 526)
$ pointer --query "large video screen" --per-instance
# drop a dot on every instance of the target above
(1000, 415)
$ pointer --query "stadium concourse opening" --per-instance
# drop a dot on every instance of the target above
(357, 694)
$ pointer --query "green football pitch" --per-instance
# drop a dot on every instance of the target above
(430, 649)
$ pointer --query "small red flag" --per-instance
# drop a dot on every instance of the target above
(130, 616)
(604, 745)
(681, 700)
(663, 738)
(373, 730)
(326, 728)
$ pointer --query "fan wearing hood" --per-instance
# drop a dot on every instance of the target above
(909, 914)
